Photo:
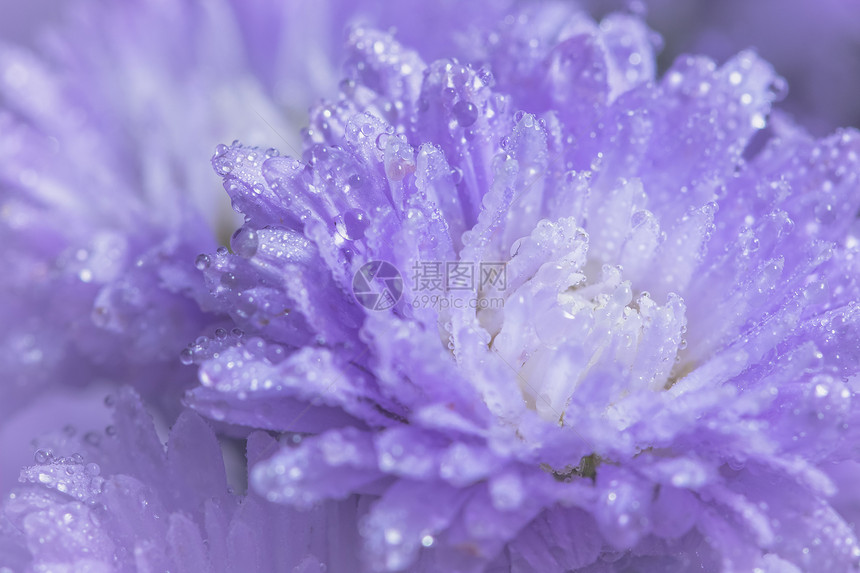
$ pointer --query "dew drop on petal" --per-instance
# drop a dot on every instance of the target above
(466, 113)
(202, 262)
(355, 181)
(356, 223)
(825, 213)
(244, 242)
(186, 356)
(43, 456)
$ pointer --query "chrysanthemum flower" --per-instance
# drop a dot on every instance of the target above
(661, 382)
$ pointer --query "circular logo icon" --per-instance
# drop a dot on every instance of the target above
(377, 285)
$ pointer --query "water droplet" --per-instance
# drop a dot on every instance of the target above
(186, 356)
(93, 469)
(202, 262)
(110, 430)
(486, 77)
(366, 129)
(96, 483)
(466, 112)
(356, 223)
(355, 181)
(398, 169)
(223, 166)
(110, 400)
(347, 86)
(43, 456)
(825, 213)
(244, 242)
(456, 175)
(736, 464)
(817, 292)
(787, 227)
(779, 87)
(382, 141)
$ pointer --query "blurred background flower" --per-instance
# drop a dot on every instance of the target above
(124, 502)
(815, 45)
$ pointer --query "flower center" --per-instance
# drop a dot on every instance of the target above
(568, 324)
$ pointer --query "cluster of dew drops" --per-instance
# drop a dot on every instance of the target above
(72, 475)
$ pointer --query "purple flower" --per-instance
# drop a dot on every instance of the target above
(813, 45)
(104, 207)
(127, 503)
(668, 375)
(102, 219)
(782, 32)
